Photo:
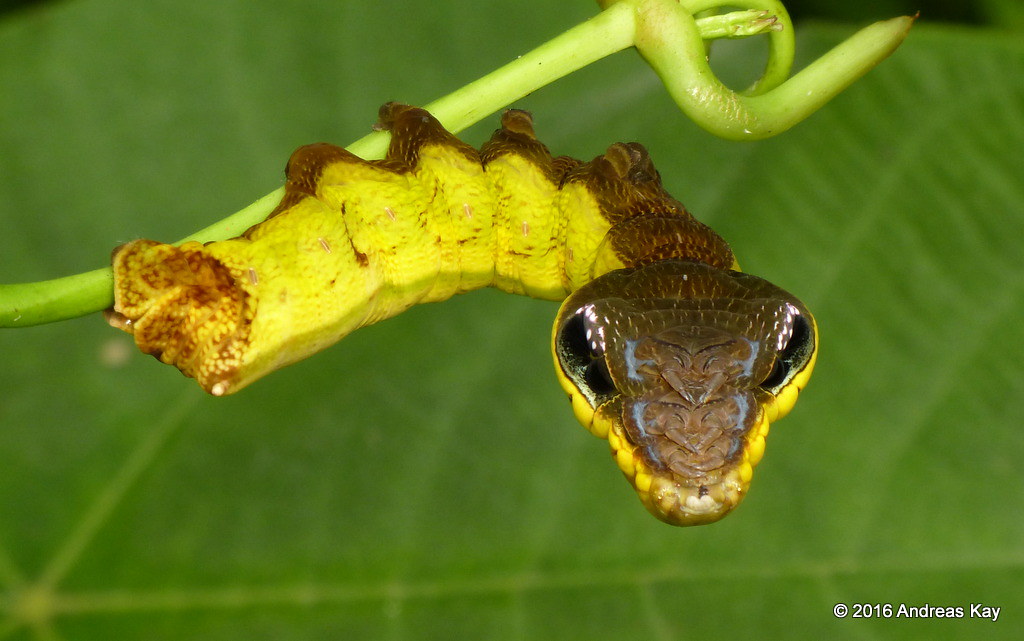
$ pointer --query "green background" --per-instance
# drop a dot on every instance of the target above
(425, 479)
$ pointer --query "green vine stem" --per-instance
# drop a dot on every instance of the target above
(667, 33)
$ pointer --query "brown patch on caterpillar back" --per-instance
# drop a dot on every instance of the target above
(646, 223)
(625, 183)
(517, 137)
(413, 128)
(184, 307)
(648, 238)
(303, 173)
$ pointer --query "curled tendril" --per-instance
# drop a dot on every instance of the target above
(671, 40)
(671, 35)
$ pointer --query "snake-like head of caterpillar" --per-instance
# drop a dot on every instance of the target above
(682, 366)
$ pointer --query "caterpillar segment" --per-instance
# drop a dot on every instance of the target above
(666, 350)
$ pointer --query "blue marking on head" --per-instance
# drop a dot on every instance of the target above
(639, 407)
(748, 364)
(742, 410)
(632, 362)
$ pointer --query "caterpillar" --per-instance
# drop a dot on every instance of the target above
(665, 348)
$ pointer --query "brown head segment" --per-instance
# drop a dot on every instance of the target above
(681, 365)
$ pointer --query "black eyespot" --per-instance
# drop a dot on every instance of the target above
(793, 356)
(800, 338)
(581, 355)
(598, 378)
(777, 376)
(572, 340)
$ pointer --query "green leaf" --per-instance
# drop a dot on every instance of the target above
(1005, 14)
(425, 478)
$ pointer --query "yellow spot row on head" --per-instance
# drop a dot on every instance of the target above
(625, 460)
(585, 415)
(756, 442)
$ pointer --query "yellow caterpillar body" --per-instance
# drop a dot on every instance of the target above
(354, 241)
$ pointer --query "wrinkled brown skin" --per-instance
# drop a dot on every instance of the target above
(183, 307)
